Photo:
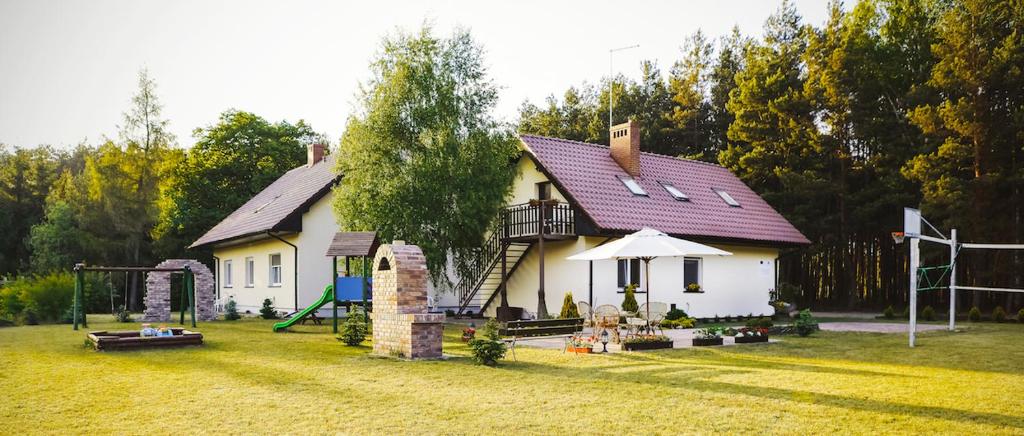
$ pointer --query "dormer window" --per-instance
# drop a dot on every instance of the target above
(727, 198)
(675, 192)
(633, 186)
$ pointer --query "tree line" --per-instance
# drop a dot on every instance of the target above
(138, 198)
(890, 103)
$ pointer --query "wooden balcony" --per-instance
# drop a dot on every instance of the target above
(523, 222)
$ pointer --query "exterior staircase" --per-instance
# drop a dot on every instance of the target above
(514, 236)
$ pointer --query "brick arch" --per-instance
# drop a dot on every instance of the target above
(158, 291)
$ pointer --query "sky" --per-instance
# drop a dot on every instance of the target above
(68, 68)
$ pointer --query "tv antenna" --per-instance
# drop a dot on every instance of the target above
(611, 78)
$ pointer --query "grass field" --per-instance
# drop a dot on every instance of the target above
(249, 380)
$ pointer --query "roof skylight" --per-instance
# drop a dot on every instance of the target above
(727, 198)
(633, 186)
(675, 192)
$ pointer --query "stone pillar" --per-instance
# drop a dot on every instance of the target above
(401, 325)
(158, 291)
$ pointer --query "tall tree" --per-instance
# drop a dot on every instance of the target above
(230, 162)
(424, 138)
(691, 110)
(722, 80)
(25, 178)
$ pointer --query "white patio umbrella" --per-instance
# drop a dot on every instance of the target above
(646, 245)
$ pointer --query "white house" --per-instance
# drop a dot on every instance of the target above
(275, 245)
(602, 193)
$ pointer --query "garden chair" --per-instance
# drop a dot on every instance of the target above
(653, 314)
(606, 318)
(586, 312)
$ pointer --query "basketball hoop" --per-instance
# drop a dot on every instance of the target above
(897, 237)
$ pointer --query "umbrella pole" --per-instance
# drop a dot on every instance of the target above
(647, 289)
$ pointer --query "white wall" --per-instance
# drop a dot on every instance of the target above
(318, 228)
(733, 285)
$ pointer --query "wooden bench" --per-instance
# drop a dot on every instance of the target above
(514, 331)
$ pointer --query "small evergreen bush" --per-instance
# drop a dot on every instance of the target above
(889, 312)
(1020, 315)
(488, 347)
(998, 314)
(675, 314)
(268, 311)
(805, 323)
(353, 332)
(928, 314)
(569, 309)
(629, 300)
(231, 311)
(122, 315)
(974, 315)
(906, 313)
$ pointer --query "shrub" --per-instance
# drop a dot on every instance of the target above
(889, 312)
(353, 332)
(906, 313)
(569, 309)
(629, 300)
(449, 313)
(28, 317)
(488, 347)
(675, 314)
(123, 315)
(805, 323)
(231, 311)
(10, 304)
(928, 314)
(682, 323)
(974, 315)
(998, 314)
(47, 297)
(268, 311)
(763, 322)
(1020, 315)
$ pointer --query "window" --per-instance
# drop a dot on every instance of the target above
(691, 271)
(727, 198)
(275, 269)
(227, 274)
(633, 186)
(675, 192)
(544, 191)
(629, 272)
(250, 272)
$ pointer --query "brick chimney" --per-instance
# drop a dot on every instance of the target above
(315, 153)
(625, 146)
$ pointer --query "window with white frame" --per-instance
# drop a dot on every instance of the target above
(633, 186)
(250, 272)
(727, 198)
(275, 269)
(675, 192)
(628, 272)
(228, 282)
(692, 272)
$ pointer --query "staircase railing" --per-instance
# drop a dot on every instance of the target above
(485, 258)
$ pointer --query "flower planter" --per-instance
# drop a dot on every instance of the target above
(653, 345)
(751, 339)
(706, 342)
(580, 350)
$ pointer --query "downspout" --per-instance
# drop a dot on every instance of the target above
(295, 267)
(216, 275)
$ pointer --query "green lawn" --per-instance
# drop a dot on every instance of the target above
(249, 380)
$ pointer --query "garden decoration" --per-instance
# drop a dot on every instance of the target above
(580, 344)
(648, 244)
(604, 341)
(469, 333)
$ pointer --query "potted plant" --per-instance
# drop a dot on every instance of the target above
(693, 288)
(707, 337)
(646, 342)
(749, 335)
(577, 344)
(469, 333)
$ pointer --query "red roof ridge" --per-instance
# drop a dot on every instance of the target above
(648, 153)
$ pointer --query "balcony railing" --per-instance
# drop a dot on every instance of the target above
(524, 220)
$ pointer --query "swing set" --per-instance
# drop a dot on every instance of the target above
(188, 289)
(924, 279)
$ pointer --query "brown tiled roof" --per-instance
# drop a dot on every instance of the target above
(588, 177)
(353, 244)
(279, 207)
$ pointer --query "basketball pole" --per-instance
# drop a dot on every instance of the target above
(915, 254)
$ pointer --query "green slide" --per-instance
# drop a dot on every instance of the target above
(324, 299)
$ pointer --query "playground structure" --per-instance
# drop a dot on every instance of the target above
(912, 229)
(188, 294)
(347, 289)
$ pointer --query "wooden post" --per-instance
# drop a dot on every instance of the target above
(952, 280)
(76, 308)
(334, 291)
(504, 276)
(366, 312)
(190, 283)
(542, 306)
